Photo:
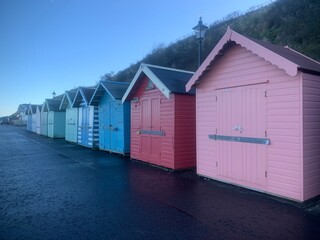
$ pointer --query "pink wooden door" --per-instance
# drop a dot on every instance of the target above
(150, 126)
(241, 127)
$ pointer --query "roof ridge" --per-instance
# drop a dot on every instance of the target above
(291, 49)
(109, 81)
(165, 68)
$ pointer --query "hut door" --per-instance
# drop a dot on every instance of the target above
(84, 125)
(150, 127)
(108, 117)
(71, 124)
(104, 116)
(241, 113)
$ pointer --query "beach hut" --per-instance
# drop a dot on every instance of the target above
(56, 118)
(44, 121)
(114, 117)
(71, 134)
(38, 119)
(31, 119)
(162, 117)
(88, 118)
(258, 117)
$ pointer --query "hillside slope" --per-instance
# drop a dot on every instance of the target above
(295, 23)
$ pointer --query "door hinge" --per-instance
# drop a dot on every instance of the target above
(216, 98)
(216, 164)
(265, 133)
(265, 94)
(265, 174)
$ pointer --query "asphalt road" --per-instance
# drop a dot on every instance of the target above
(52, 189)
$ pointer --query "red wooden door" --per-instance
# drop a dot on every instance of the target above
(150, 140)
(241, 115)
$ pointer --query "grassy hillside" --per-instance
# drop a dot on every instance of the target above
(295, 23)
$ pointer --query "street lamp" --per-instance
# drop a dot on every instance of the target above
(200, 30)
(53, 94)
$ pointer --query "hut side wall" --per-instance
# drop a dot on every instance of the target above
(166, 125)
(38, 121)
(44, 123)
(34, 122)
(311, 135)
(126, 127)
(93, 133)
(185, 131)
(236, 67)
(29, 122)
(135, 126)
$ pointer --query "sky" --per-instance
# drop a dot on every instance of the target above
(57, 45)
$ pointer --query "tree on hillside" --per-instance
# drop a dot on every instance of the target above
(295, 23)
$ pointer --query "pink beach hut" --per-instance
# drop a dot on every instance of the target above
(258, 117)
(162, 117)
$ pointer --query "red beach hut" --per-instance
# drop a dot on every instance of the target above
(162, 117)
(258, 117)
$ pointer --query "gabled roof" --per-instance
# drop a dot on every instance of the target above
(68, 99)
(38, 108)
(31, 109)
(51, 105)
(116, 90)
(83, 94)
(283, 57)
(43, 107)
(167, 80)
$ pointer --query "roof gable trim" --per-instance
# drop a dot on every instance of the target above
(230, 35)
(95, 97)
(146, 70)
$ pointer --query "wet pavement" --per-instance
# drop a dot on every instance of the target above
(52, 189)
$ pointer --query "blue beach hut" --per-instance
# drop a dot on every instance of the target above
(88, 118)
(71, 134)
(114, 117)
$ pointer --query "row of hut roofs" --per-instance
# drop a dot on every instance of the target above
(254, 120)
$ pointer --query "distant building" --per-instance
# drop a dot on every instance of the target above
(19, 117)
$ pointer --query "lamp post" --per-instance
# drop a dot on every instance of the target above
(200, 30)
(53, 94)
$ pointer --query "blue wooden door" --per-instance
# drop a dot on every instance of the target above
(83, 126)
(104, 116)
(111, 126)
(115, 127)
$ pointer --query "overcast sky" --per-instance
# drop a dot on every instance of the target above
(56, 45)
